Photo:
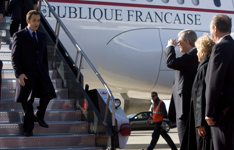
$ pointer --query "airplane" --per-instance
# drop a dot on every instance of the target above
(125, 39)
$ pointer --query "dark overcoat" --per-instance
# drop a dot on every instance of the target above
(30, 59)
(219, 93)
(185, 70)
(197, 111)
(1, 65)
(220, 77)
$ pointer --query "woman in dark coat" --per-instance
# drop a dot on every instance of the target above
(197, 124)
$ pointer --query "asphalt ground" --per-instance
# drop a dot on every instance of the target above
(139, 140)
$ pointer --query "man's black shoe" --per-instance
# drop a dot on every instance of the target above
(35, 119)
(42, 123)
(28, 133)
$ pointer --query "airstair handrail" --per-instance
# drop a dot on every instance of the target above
(81, 52)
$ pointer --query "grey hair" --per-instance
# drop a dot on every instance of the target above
(188, 34)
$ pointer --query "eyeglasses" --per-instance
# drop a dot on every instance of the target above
(152, 95)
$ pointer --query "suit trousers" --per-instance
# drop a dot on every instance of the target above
(18, 16)
(223, 133)
(45, 97)
(155, 136)
(181, 128)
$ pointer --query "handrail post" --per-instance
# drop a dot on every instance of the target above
(79, 69)
(76, 60)
(107, 106)
(57, 30)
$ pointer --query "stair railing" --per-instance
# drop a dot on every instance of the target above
(59, 24)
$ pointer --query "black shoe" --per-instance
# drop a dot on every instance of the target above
(42, 123)
(35, 119)
(28, 133)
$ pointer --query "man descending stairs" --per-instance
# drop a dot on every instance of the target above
(67, 130)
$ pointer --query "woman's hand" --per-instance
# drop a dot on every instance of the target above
(202, 131)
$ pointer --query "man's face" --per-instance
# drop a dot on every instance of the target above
(34, 22)
(182, 44)
(154, 97)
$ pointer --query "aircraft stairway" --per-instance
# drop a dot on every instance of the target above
(71, 126)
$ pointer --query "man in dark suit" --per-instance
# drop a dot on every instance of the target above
(30, 64)
(18, 10)
(220, 84)
(2, 9)
(185, 70)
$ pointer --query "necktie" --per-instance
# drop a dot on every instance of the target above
(34, 38)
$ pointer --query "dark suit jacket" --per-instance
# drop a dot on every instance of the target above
(26, 4)
(2, 6)
(31, 60)
(220, 78)
(185, 70)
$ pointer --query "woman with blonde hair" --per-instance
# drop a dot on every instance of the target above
(197, 124)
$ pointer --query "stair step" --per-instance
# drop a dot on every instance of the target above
(5, 55)
(60, 148)
(10, 93)
(16, 116)
(47, 141)
(51, 64)
(10, 83)
(7, 64)
(54, 104)
(9, 74)
(80, 127)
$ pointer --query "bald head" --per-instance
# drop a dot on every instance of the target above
(222, 22)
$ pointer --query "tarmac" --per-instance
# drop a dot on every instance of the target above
(139, 140)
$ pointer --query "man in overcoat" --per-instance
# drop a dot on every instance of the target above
(220, 84)
(185, 70)
(30, 64)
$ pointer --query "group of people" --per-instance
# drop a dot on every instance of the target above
(202, 99)
(202, 102)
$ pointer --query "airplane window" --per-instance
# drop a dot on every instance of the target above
(195, 2)
(180, 1)
(165, 1)
(217, 3)
(149, 0)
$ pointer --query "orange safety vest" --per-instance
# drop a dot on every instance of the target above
(157, 114)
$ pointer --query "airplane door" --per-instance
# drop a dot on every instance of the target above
(133, 59)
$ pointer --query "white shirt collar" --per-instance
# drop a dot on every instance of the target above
(192, 49)
(223, 37)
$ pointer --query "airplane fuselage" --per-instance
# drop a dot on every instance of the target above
(125, 39)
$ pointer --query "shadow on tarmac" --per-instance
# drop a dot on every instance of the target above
(144, 146)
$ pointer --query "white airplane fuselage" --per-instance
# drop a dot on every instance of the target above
(124, 39)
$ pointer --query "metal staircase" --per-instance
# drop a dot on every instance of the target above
(70, 125)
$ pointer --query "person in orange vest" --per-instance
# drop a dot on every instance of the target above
(158, 113)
